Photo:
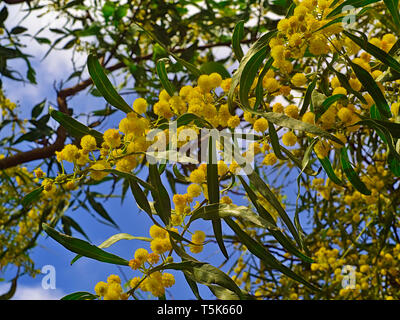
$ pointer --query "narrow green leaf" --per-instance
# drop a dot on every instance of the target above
(104, 85)
(98, 207)
(140, 197)
(258, 250)
(259, 92)
(351, 174)
(31, 197)
(326, 164)
(372, 88)
(265, 191)
(74, 127)
(237, 36)
(80, 295)
(250, 71)
(349, 4)
(260, 45)
(162, 74)
(162, 203)
(327, 103)
(83, 248)
(393, 6)
(113, 239)
(213, 192)
(307, 97)
(374, 50)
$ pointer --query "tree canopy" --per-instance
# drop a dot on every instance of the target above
(279, 118)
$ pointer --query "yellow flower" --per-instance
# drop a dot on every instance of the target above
(321, 149)
(215, 79)
(270, 159)
(70, 152)
(157, 232)
(96, 172)
(204, 83)
(289, 139)
(168, 280)
(345, 115)
(197, 176)
(194, 190)
(271, 84)
(153, 258)
(159, 245)
(292, 111)
(112, 138)
(394, 108)
(198, 237)
(308, 117)
(141, 255)
(39, 173)
(140, 105)
(101, 288)
(88, 143)
(299, 79)
(260, 125)
(113, 278)
(233, 121)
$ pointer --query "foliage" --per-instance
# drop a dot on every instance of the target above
(319, 98)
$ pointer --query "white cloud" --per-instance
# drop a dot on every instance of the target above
(33, 293)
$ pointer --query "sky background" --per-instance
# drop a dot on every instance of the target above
(85, 273)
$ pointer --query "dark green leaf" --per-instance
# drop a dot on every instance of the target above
(162, 74)
(351, 174)
(105, 86)
(83, 248)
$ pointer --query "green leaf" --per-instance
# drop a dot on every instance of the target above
(265, 191)
(104, 85)
(349, 4)
(113, 239)
(274, 139)
(37, 109)
(98, 207)
(259, 92)
(162, 203)
(18, 30)
(238, 34)
(294, 124)
(213, 191)
(83, 248)
(326, 164)
(213, 66)
(372, 88)
(129, 176)
(140, 197)
(250, 71)
(75, 225)
(375, 51)
(80, 295)
(259, 46)
(393, 6)
(351, 174)
(203, 273)
(327, 103)
(31, 197)
(162, 74)
(271, 224)
(258, 250)
(74, 127)
(307, 97)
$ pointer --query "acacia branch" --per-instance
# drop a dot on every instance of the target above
(62, 95)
